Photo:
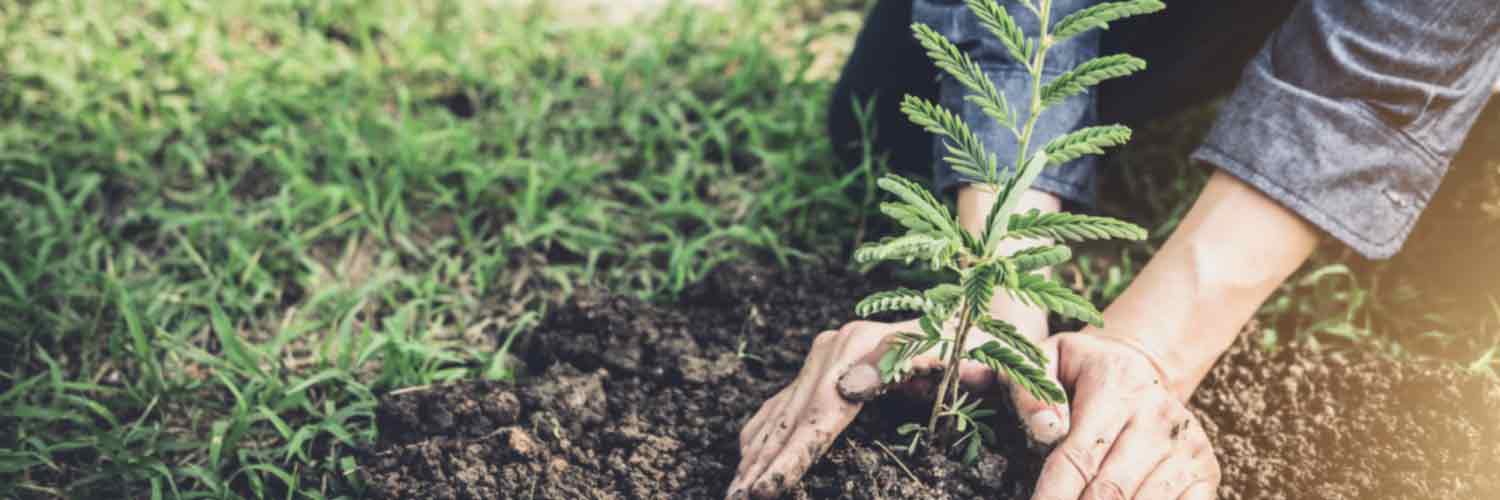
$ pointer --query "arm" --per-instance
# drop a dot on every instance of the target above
(1132, 434)
(1186, 307)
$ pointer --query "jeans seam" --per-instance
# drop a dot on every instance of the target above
(1434, 160)
(1243, 169)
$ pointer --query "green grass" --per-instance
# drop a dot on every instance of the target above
(226, 227)
(229, 225)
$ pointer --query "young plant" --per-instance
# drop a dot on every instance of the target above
(933, 234)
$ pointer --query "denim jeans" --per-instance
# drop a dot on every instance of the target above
(1348, 112)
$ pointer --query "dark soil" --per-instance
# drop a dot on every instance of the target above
(636, 400)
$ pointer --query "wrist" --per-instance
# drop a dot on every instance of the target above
(974, 202)
(1234, 247)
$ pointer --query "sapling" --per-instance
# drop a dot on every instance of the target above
(933, 235)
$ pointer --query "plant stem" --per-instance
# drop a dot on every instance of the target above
(1038, 61)
(948, 388)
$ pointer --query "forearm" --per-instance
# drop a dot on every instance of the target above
(1233, 249)
(974, 204)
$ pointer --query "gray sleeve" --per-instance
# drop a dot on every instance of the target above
(1351, 112)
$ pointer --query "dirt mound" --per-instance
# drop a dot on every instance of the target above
(641, 400)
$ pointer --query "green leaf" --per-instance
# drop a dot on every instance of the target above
(979, 287)
(1040, 291)
(1100, 15)
(1010, 196)
(966, 154)
(994, 18)
(922, 203)
(971, 451)
(949, 58)
(930, 327)
(1063, 226)
(909, 217)
(1027, 375)
(1088, 74)
(934, 249)
(897, 361)
(900, 299)
(943, 298)
(993, 225)
(1031, 259)
(1085, 141)
(1007, 333)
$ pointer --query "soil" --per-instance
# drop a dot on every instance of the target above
(639, 400)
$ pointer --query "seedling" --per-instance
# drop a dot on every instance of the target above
(933, 234)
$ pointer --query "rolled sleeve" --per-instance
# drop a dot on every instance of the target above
(1352, 111)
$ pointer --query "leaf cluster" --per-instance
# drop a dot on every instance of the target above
(932, 235)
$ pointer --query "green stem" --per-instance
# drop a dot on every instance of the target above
(947, 390)
(1038, 61)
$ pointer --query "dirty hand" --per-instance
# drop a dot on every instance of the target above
(798, 424)
(1131, 437)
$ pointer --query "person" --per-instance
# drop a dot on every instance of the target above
(1342, 119)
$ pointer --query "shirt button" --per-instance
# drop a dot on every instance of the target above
(1395, 197)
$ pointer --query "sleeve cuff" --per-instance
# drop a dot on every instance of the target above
(1332, 161)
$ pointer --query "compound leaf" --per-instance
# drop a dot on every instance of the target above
(912, 246)
(994, 18)
(921, 204)
(979, 287)
(1063, 226)
(1038, 290)
(1100, 15)
(900, 299)
(1018, 370)
(1007, 333)
(952, 60)
(1031, 259)
(1085, 141)
(1088, 74)
(966, 154)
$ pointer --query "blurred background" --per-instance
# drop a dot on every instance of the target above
(227, 225)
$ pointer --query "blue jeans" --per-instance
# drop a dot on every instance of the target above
(1348, 112)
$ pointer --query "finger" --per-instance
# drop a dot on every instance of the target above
(1141, 447)
(781, 424)
(1045, 423)
(756, 435)
(753, 441)
(1098, 417)
(815, 431)
(757, 422)
(1201, 491)
(1179, 475)
(862, 380)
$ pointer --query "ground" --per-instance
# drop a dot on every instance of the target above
(640, 400)
(231, 231)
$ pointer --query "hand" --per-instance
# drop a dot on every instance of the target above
(1130, 438)
(797, 425)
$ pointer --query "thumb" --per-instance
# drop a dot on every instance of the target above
(1045, 423)
(862, 380)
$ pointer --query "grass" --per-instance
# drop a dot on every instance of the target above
(229, 226)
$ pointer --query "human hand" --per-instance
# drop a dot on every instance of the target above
(1130, 437)
(797, 425)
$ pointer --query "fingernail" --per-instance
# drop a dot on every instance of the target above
(860, 383)
(736, 495)
(1048, 425)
